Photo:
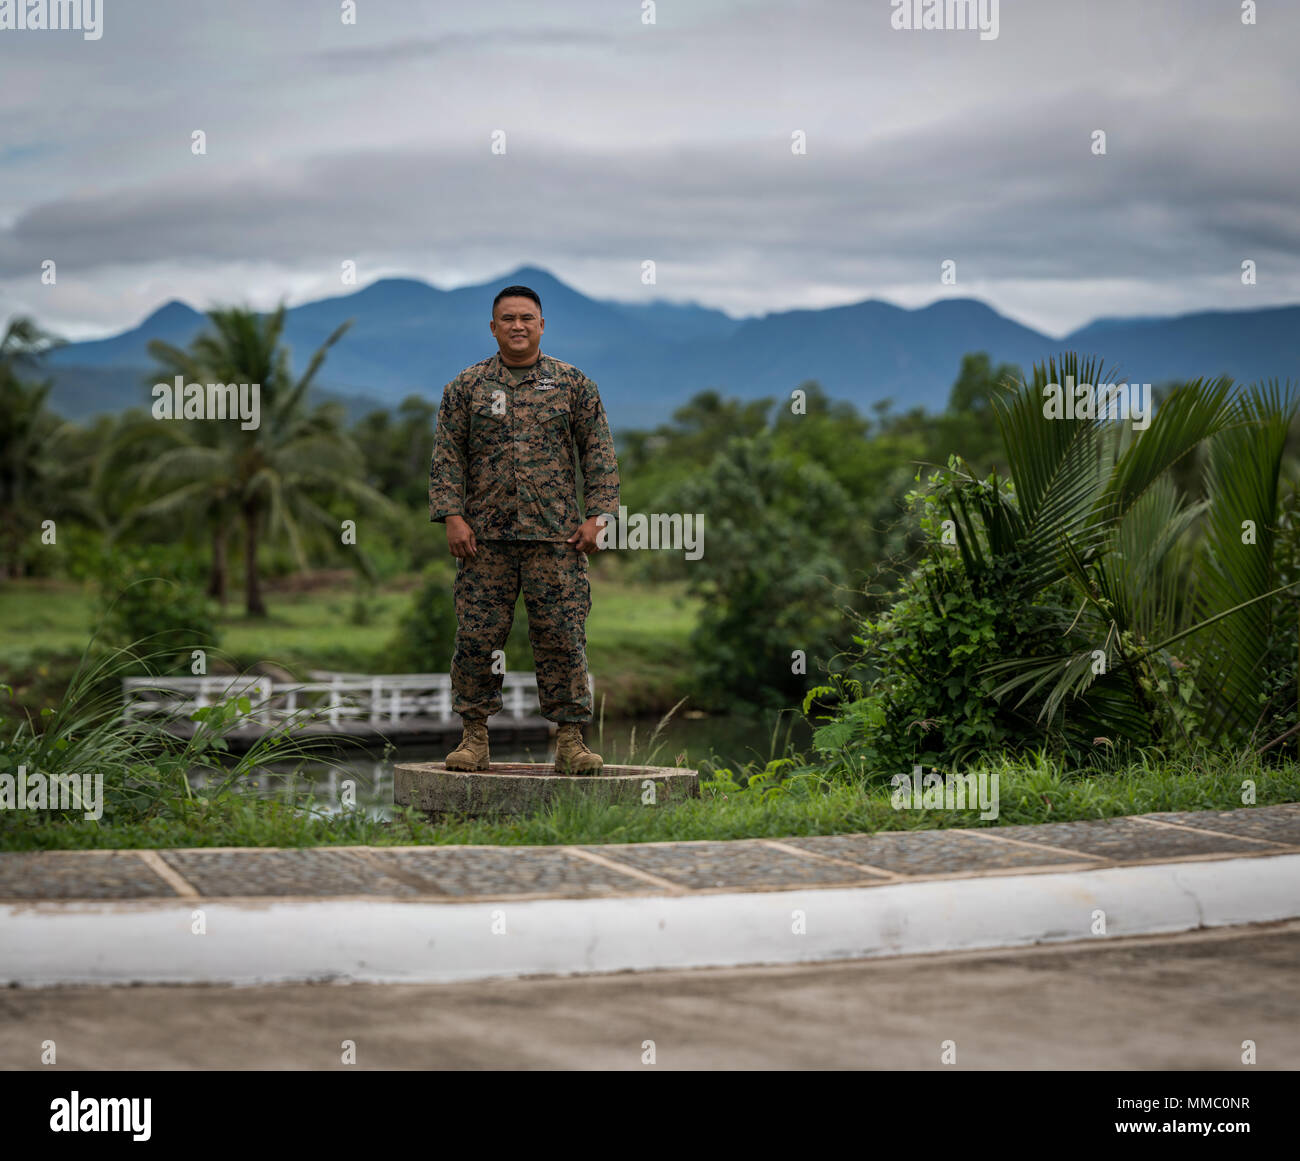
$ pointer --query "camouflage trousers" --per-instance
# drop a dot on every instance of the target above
(557, 597)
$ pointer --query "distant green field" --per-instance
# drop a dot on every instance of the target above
(636, 634)
(42, 615)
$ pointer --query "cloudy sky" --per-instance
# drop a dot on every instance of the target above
(669, 142)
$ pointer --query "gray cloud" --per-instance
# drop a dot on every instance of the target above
(671, 142)
(489, 40)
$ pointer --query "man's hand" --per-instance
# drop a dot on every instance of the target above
(460, 538)
(584, 540)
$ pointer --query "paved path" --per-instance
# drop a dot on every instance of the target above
(441, 914)
(465, 874)
(1173, 1003)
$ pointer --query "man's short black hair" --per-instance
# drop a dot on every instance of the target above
(517, 292)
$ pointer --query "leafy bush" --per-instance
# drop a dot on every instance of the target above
(1281, 687)
(155, 597)
(1068, 594)
(426, 635)
(774, 536)
(145, 770)
(926, 700)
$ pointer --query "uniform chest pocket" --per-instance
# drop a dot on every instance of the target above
(550, 420)
(487, 421)
(491, 406)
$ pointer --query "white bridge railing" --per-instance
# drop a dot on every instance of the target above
(343, 697)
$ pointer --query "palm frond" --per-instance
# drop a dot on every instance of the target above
(1238, 571)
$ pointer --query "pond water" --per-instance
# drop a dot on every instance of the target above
(705, 744)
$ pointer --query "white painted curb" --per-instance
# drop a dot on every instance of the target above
(386, 942)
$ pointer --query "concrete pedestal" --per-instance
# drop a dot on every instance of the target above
(525, 787)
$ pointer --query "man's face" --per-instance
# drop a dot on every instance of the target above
(518, 325)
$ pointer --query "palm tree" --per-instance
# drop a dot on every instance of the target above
(268, 481)
(35, 478)
(1238, 563)
(1094, 513)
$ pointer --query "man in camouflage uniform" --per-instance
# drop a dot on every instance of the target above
(503, 481)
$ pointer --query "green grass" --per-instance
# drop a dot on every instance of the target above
(42, 615)
(152, 804)
(314, 630)
(143, 773)
(1032, 790)
(637, 644)
(637, 634)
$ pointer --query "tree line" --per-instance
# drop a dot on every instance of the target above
(984, 575)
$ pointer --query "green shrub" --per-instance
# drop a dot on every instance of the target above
(925, 700)
(144, 771)
(426, 635)
(1281, 686)
(155, 596)
(774, 541)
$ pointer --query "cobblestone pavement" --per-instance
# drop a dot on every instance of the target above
(464, 873)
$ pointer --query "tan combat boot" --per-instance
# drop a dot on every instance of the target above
(472, 753)
(571, 754)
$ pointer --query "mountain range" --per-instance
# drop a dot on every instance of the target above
(408, 338)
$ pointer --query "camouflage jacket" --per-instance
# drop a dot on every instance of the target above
(504, 453)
